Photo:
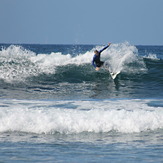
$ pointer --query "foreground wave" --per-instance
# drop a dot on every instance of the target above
(73, 117)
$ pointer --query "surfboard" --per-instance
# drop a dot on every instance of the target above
(114, 75)
(113, 72)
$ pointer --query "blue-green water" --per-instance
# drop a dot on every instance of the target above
(54, 107)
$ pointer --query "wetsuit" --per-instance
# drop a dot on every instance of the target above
(96, 59)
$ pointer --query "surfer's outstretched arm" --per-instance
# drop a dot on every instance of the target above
(104, 48)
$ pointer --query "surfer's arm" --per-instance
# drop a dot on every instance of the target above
(93, 63)
(104, 48)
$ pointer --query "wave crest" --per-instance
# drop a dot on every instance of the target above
(18, 64)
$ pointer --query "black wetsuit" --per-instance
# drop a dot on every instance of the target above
(96, 59)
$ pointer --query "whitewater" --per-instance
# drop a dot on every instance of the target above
(73, 117)
(55, 107)
(18, 63)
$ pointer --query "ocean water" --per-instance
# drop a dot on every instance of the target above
(54, 107)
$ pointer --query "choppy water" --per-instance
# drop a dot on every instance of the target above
(55, 107)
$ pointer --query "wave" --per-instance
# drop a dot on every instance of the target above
(73, 117)
(18, 64)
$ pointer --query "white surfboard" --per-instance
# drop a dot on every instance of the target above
(114, 75)
(113, 72)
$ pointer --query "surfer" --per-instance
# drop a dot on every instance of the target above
(96, 62)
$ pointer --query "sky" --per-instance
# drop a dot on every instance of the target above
(139, 22)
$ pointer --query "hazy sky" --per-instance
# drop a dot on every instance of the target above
(140, 22)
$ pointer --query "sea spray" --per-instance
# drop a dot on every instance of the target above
(18, 64)
(119, 57)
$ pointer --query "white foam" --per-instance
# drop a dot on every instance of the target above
(118, 56)
(17, 63)
(151, 56)
(126, 116)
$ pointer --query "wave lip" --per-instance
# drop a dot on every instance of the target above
(18, 64)
(15, 64)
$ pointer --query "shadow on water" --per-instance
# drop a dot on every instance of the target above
(105, 87)
(117, 84)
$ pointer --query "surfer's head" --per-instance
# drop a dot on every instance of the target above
(96, 52)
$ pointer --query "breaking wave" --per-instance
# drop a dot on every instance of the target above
(18, 64)
(74, 117)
